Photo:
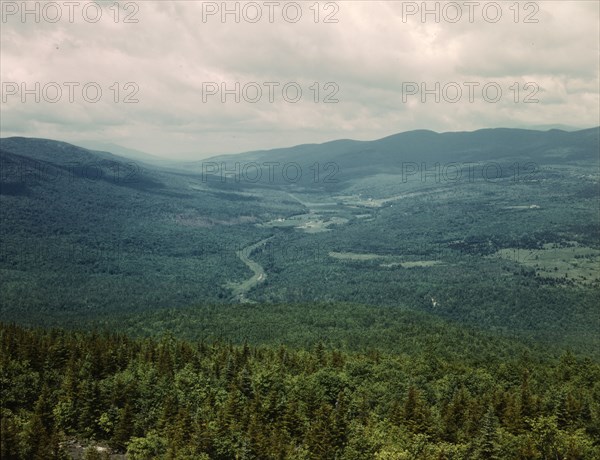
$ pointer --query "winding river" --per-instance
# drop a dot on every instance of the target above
(241, 289)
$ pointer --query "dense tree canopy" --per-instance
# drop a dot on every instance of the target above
(176, 399)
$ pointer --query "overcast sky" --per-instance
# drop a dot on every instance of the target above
(373, 58)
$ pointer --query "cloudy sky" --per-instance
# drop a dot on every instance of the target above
(191, 79)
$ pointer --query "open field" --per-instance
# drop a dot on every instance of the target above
(580, 264)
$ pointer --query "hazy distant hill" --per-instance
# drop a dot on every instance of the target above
(360, 158)
(125, 152)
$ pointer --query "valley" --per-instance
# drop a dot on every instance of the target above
(171, 238)
(172, 313)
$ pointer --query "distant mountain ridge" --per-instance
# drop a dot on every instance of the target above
(42, 149)
(126, 152)
(415, 145)
(426, 141)
(391, 153)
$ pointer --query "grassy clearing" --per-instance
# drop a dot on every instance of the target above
(309, 223)
(354, 256)
(393, 261)
(581, 264)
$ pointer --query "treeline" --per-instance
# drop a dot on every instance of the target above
(172, 399)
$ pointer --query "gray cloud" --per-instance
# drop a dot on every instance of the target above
(369, 53)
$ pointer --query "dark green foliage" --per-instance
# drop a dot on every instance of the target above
(171, 399)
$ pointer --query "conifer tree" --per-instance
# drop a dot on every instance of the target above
(487, 441)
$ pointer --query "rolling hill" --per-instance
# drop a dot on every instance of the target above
(356, 159)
